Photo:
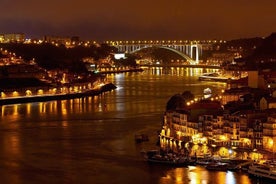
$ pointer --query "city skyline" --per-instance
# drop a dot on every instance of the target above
(121, 20)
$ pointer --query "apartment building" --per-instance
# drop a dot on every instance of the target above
(12, 37)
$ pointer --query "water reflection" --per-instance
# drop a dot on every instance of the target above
(84, 140)
(178, 71)
(199, 175)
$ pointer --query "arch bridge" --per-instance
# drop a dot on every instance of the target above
(191, 51)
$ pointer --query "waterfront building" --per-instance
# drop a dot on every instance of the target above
(176, 130)
(24, 79)
(244, 134)
(233, 94)
(269, 134)
(267, 103)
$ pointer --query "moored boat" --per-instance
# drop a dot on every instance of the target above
(169, 160)
(222, 77)
(217, 166)
(213, 77)
(265, 171)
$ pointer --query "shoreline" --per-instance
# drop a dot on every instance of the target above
(30, 99)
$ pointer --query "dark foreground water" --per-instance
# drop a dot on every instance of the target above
(91, 140)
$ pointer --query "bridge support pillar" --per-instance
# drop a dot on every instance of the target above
(196, 52)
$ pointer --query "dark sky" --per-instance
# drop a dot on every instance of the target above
(139, 19)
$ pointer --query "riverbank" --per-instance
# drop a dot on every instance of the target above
(40, 98)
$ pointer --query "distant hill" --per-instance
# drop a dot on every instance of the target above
(263, 56)
(268, 49)
(245, 45)
(17, 83)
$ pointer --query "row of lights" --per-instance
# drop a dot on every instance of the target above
(164, 41)
(196, 100)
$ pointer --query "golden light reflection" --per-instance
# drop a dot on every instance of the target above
(221, 177)
(197, 176)
(244, 179)
(65, 124)
(165, 179)
(42, 109)
(63, 108)
(53, 107)
(179, 175)
(15, 111)
(3, 110)
(28, 107)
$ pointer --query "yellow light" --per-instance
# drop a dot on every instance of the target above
(223, 137)
(15, 93)
(3, 95)
(40, 92)
(270, 143)
(28, 93)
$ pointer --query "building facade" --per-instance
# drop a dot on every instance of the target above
(242, 135)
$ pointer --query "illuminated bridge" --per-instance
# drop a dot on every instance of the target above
(189, 50)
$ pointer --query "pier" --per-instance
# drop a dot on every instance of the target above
(61, 96)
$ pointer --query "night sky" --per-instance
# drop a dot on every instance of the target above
(144, 19)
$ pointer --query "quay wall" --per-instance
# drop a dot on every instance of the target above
(38, 98)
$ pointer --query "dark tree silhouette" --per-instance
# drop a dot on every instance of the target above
(176, 102)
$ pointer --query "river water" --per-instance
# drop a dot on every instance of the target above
(91, 140)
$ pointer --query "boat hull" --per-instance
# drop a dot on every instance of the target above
(168, 162)
(262, 172)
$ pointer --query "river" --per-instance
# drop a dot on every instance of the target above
(91, 139)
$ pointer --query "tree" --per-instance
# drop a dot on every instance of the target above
(176, 102)
(187, 95)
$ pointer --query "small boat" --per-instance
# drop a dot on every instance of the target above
(222, 77)
(204, 161)
(242, 166)
(215, 76)
(265, 171)
(168, 160)
(217, 166)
